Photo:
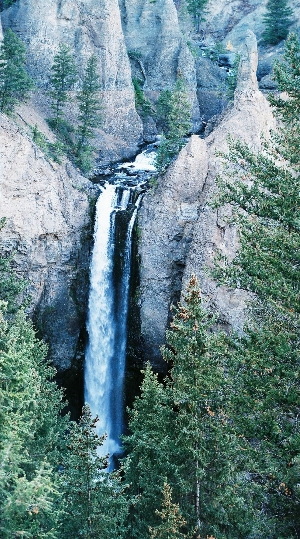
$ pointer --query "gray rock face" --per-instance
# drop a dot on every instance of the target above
(152, 31)
(88, 27)
(48, 228)
(167, 220)
(180, 232)
(211, 88)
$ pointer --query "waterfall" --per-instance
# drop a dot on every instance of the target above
(105, 356)
(107, 315)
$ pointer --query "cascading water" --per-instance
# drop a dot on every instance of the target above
(116, 211)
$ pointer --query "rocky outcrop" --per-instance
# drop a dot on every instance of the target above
(159, 51)
(88, 27)
(47, 210)
(181, 232)
(231, 19)
(166, 220)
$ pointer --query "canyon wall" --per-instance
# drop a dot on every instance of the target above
(181, 233)
(48, 230)
(48, 206)
(159, 50)
(87, 27)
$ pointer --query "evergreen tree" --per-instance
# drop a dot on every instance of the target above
(89, 117)
(62, 80)
(197, 9)
(95, 503)
(15, 82)
(171, 519)
(150, 456)
(163, 111)
(214, 497)
(31, 428)
(178, 121)
(11, 287)
(277, 21)
(265, 195)
(183, 434)
(30, 433)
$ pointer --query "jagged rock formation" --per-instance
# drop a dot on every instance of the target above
(88, 27)
(47, 207)
(152, 32)
(180, 232)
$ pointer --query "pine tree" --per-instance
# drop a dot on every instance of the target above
(178, 122)
(197, 9)
(163, 111)
(264, 191)
(89, 117)
(62, 80)
(31, 427)
(277, 21)
(15, 83)
(30, 433)
(94, 499)
(171, 519)
(149, 448)
(213, 495)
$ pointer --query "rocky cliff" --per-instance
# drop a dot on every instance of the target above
(87, 27)
(48, 213)
(180, 232)
(159, 50)
(47, 206)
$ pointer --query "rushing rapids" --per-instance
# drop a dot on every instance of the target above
(105, 358)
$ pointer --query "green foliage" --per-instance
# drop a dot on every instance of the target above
(30, 432)
(142, 104)
(96, 505)
(163, 111)
(15, 83)
(149, 454)
(215, 52)
(5, 4)
(11, 287)
(52, 150)
(277, 21)
(183, 434)
(287, 76)
(196, 8)
(62, 80)
(176, 118)
(89, 118)
(134, 54)
(264, 191)
(171, 519)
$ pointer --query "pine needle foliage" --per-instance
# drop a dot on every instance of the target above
(15, 83)
(197, 9)
(95, 502)
(62, 79)
(177, 123)
(171, 519)
(277, 20)
(89, 115)
(263, 189)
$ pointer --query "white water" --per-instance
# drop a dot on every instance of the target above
(101, 324)
(108, 310)
(143, 161)
(107, 319)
